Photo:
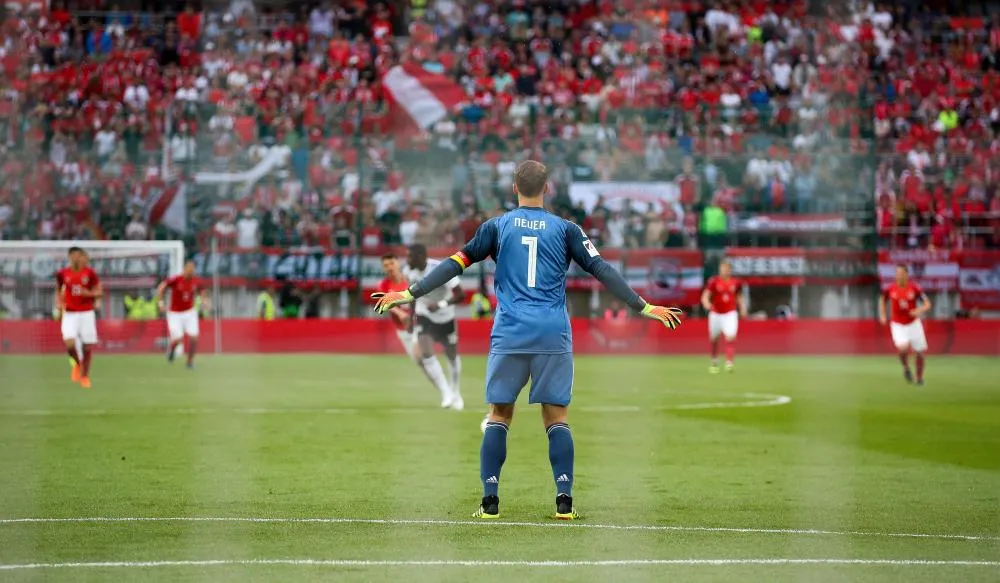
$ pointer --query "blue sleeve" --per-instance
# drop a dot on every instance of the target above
(583, 252)
(482, 245)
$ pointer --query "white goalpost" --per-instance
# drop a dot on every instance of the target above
(44, 251)
(27, 269)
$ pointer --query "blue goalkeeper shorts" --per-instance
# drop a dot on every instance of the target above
(551, 378)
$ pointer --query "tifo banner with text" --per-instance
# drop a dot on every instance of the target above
(632, 336)
(327, 269)
(931, 270)
(37, 268)
(794, 266)
(792, 224)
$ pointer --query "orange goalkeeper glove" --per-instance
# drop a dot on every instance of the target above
(666, 315)
(385, 301)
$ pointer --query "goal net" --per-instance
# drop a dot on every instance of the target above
(27, 272)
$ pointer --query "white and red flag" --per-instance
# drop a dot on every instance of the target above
(420, 98)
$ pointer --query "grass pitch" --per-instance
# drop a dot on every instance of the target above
(342, 468)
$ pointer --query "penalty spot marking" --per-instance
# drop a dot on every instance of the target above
(480, 523)
(472, 563)
(754, 400)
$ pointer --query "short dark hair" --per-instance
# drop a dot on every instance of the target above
(418, 248)
(903, 266)
(530, 178)
(388, 256)
(74, 249)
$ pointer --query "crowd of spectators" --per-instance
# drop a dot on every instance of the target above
(886, 112)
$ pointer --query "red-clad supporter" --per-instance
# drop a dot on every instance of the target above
(575, 74)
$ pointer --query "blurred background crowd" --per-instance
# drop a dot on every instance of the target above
(882, 117)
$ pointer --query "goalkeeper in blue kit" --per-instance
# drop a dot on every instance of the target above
(531, 337)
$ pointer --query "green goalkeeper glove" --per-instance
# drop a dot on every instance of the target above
(385, 301)
(668, 316)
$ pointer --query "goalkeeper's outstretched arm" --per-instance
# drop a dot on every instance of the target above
(482, 245)
(586, 256)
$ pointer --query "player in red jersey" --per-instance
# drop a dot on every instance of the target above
(908, 303)
(401, 315)
(78, 289)
(182, 317)
(721, 298)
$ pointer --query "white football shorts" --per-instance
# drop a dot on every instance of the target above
(79, 325)
(725, 324)
(181, 324)
(909, 336)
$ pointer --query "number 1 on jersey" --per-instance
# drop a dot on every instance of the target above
(532, 243)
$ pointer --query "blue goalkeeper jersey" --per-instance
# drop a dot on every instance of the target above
(532, 249)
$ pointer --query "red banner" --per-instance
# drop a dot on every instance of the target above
(932, 270)
(979, 284)
(634, 336)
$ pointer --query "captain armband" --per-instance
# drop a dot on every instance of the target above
(462, 259)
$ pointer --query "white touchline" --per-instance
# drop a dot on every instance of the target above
(434, 522)
(475, 563)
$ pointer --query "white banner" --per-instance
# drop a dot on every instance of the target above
(617, 194)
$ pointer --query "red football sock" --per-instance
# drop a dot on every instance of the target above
(920, 366)
(72, 354)
(715, 349)
(191, 348)
(905, 359)
(87, 353)
(730, 351)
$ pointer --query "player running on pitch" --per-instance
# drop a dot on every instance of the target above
(402, 317)
(78, 289)
(531, 337)
(721, 298)
(182, 317)
(908, 304)
(435, 324)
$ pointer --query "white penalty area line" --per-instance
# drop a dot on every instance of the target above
(754, 400)
(471, 563)
(488, 523)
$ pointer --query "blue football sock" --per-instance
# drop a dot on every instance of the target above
(492, 454)
(561, 457)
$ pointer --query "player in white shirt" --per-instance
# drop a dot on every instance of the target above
(435, 324)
